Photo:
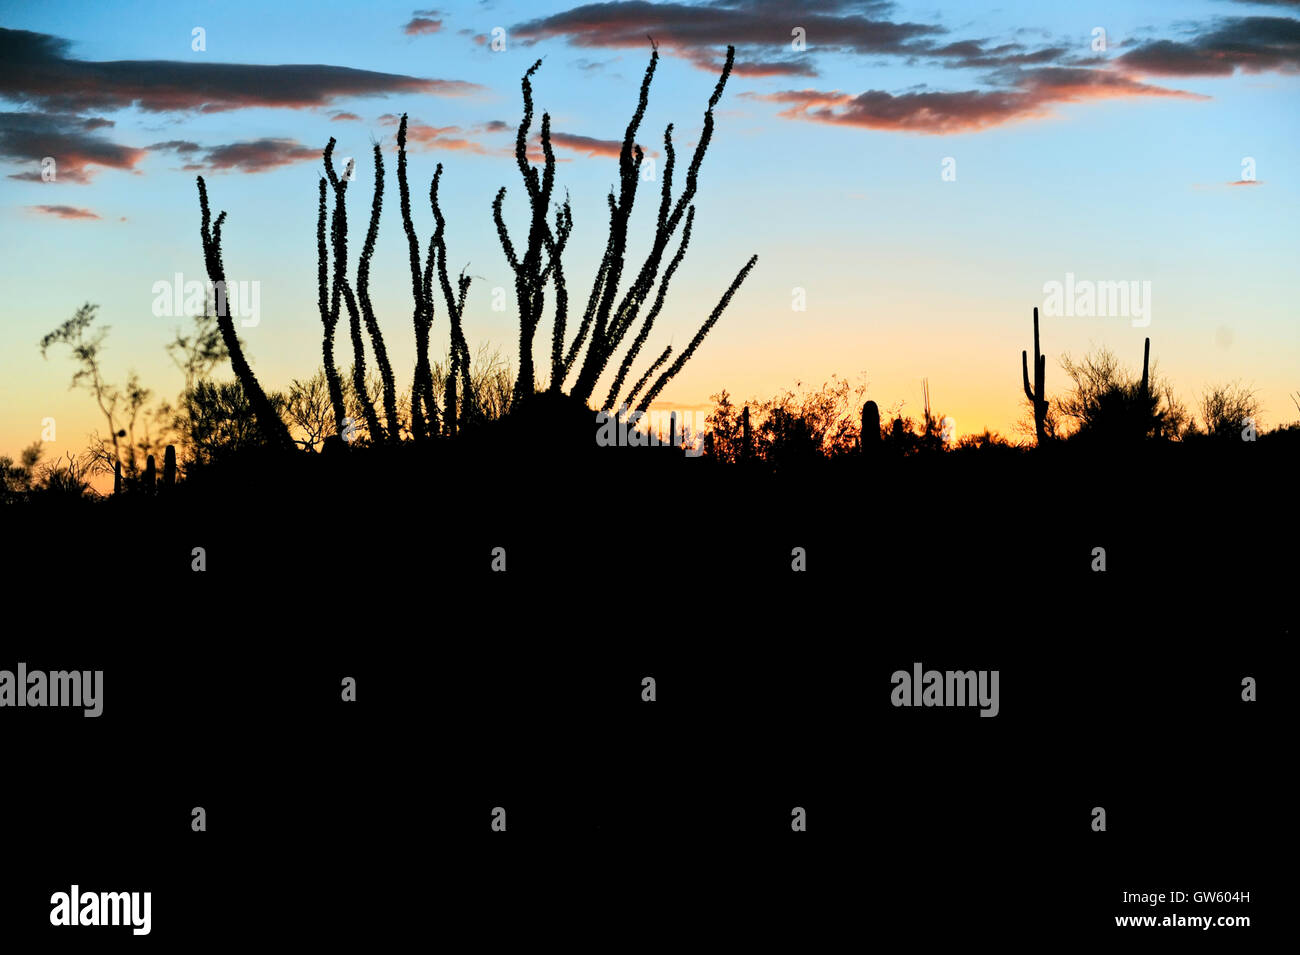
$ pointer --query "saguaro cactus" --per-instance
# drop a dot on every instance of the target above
(869, 440)
(746, 437)
(169, 467)
(150, 475)
(1152, 417)
(1035, 394)
(1146, 357)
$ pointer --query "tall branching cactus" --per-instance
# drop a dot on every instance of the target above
(329, 317)
(1036, 394)
(368, 312)
(530, 275)
(602, 330)
(458, 368)
(424, 410)
(342, 293)
(605, 324)
(274, 431)
(641, 382)
(712, 320)
(611, 269)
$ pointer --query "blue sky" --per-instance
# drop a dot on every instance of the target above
(1126, 172)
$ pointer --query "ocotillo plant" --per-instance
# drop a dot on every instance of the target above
(1035, 395)
(530, 275)
(329, 317)
(424, 410)
(273, 428)
(604, 324)
(363, 297)
(342, 293)
(458, 366)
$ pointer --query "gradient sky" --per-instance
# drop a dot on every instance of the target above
(1114, 165)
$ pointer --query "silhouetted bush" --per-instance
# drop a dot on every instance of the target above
(1225, 410)
(218, 420)
(1108, 404)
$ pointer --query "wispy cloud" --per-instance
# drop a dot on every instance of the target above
(423, 21)
(755, 27)
(763, 33)
(1249, 44)
(588, 146)
(35, 68)
(68, 139)
(426, 137)
(64, 212)
(252, 156)
(941, 113)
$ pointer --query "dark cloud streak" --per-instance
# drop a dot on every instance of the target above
(35, 69)
(69, 139)
(1249, 44)
(939, 113)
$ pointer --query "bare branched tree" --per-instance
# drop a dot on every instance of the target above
(1107, 401)
(1226, 408)
(86, 348)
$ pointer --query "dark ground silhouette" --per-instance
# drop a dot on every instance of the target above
(1180, 523)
